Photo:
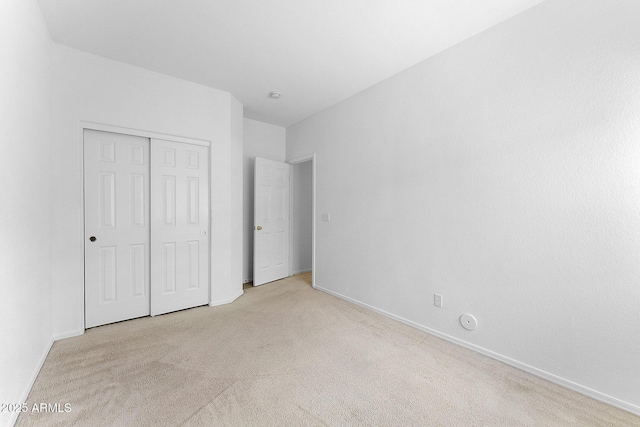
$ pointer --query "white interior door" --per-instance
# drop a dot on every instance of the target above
(271, 218)
(179, 226)
(116, 189)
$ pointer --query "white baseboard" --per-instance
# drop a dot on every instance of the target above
(293, 274)
(68, 334)
(610, 400)
(32, 380)
(226, 301)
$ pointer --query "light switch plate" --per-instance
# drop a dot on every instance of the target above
(437, 300)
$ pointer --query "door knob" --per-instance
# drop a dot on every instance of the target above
(258, 228)
(92, 238)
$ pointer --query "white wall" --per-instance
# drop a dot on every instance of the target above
(93, 89)
(503, 174)
(25, 192)
(260, 140)
(301, 217)
(237, 197)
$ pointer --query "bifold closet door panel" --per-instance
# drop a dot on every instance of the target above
(116, 197)
(179, 226)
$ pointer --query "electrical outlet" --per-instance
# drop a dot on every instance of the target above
(437, 300)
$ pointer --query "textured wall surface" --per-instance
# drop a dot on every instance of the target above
(503, 174)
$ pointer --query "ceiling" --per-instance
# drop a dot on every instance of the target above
(314, 52)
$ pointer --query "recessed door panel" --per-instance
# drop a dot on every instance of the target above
(107, 199)
(168, 262)
(137, 154)
(169, 157)
(193, 201)
(169, 199)
(139, 269)
(138, 200)
(278, 249)
(278, 204)
(194, 264)
(108, 290)
(263, 243)
(265, 203)
(107, 151)
(193, 160)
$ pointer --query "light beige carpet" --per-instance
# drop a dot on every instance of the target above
(285, 354)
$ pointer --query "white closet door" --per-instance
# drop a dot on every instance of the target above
(116, 194)
(179, 226)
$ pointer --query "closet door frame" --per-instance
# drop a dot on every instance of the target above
(86, 125)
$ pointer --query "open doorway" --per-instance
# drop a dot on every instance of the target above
(302, 214)
(284, 245)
